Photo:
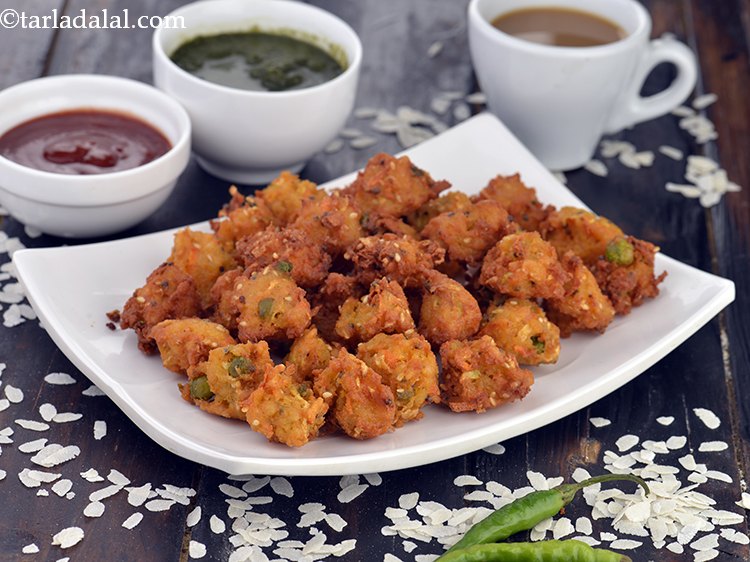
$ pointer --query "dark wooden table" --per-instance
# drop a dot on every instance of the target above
(709, 371)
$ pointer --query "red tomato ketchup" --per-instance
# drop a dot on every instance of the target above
(83, 141)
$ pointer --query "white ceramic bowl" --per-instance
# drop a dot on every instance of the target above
(249, 136)
(78, 206)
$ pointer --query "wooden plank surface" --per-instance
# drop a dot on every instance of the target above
(397, 71)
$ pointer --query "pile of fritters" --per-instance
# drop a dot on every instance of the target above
(364, 291)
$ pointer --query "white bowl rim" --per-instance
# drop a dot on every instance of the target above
(75, 181)
(352, 67)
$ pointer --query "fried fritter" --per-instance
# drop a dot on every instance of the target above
(383, 310)
(521, 328)
(400, 259)
(221, 294)
(375, 224)
(518, 199)
(468, 234)
(393, 187)
(309, 353)
(185, 342)
(232, 373)
(477, 375)
(363, 406)
(333, 222)
(525, 266)
(168, 293)
(284, 197)
(628, 282)
(241, 217)
(579, 231)
(406, 364)
(269, 306)
(284, 410)
(453, 201)
(200, 255)
(287, 249)
(327, 301)
(583, 307)
(448, 310)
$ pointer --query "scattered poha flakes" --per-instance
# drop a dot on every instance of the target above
(59, 378)
(709, 419)
(282, 486)
(133, 521)
(100, 430)
(196, 549)
(93, 390)
(94, 509)
(13, 394)
(68, 537)
(496, 449)
(596, 167)
(217, 525)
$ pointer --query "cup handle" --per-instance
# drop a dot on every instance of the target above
(633, 108)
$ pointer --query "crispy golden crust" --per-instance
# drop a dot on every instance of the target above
(185, 342)
(168, 293)
(327, 300)
(477, 375)
(289, 249)
(579, 231)
(468, 234)
(584, 306)
(521, 328)
(232, 373)
(394, 187)
(363, 406)
(407, 365)
(452, 201)
(398, 258)
(517, 198)
(375, 224)
(224, 312)
(284, 197)
(269, 306)
(383, 310)
(525, 266)
(332, 222)
(241, 217)
(448, 310)
(309, 353)
(629, 285)
(200, 255)
(284, 410)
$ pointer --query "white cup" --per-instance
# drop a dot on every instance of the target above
(559, 100)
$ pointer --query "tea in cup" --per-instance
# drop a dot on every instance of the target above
(561, 74)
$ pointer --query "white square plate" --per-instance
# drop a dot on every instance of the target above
(72, 288)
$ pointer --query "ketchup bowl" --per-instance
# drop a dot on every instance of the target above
(77, 203)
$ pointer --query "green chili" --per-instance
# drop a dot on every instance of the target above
(619, 252)
(538, 344)
(284, 266)
(264, 308)
(200, 389)
(544, 551)
(525, 512)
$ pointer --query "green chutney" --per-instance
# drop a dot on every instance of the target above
(258, 61)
